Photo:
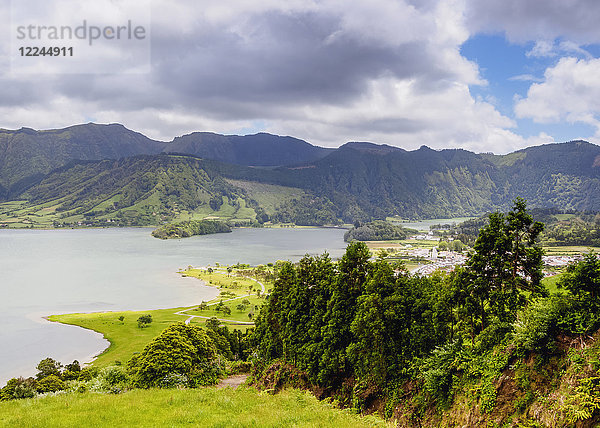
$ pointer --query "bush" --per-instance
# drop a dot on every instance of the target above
(538, 325)
(18, 388)
(50, 383)
(144, 320)
(180, 349)
(438, 370)
(114, 375)
(48, 367)
(87, 373)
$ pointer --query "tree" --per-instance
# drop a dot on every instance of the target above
(144, 320)
(353, 267)
(506, 263)
(457, 245)
(583, 278)
(50, 383)
(226, 310)
(71, 371)
(180, 349)
(48, 367)
(17, 388)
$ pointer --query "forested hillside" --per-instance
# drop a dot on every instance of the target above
(137, 190)
(486, 345)
(27, 155)
(299, 183)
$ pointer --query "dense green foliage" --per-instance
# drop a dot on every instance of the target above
(362, 325)
(140, 190)
(182, 354)
(51, 377)
(307, 211)
(580, 229)
(561, 228)
(377, 231)
(505, 264)
(185, 229)
(355, 318)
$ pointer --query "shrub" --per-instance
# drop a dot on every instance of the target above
(18, 388)
(48, 367)
(438, 370)
(180, 349)
(538, 324)
(114, 375)
(50, 383)
(87, 373)
(144, 320)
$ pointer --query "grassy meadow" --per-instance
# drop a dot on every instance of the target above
(210, 407)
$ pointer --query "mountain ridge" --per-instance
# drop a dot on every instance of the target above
(358, 181)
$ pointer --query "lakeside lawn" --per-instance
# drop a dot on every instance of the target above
(126, 337)
(229, 282)
(212, 407)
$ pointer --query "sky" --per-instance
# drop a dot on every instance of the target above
(486, 76)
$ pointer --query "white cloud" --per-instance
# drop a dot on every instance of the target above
(542, 48)
(545, 48)
(570, 92)
(526, 78)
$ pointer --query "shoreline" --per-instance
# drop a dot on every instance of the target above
(89, 359)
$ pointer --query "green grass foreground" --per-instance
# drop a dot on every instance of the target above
(210, 407)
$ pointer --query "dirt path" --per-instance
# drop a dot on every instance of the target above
(232, 381)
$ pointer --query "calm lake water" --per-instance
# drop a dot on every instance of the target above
(63, 271)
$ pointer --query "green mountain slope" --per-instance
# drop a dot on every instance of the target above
(144, 190)
(27, 155)
(358, 181)
(137, 190)
(563, 175)
(364, 180)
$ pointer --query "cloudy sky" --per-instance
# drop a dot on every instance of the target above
(493, 75)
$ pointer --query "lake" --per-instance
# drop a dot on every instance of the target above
(44, 272)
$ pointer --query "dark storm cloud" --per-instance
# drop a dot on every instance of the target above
(285, 59)
(524, 20)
